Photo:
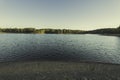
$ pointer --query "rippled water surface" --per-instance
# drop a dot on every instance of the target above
(15, 47)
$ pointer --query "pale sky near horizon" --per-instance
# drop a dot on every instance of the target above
(60, 14)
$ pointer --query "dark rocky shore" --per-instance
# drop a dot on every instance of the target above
(56, 70)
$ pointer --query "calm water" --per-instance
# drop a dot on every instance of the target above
(15, 47)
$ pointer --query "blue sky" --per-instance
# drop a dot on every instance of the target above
(70, 14)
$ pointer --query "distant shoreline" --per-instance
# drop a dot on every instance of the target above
(65, 34)
(108, 31)
(112, 34)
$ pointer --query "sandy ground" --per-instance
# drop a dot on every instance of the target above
(55, 70)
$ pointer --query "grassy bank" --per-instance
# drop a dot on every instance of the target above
(51, 70)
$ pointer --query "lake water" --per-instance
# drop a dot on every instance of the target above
(88, 47)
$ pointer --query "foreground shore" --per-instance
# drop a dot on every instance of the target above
(56, 70)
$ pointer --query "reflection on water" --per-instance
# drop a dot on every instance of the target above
(59, 47)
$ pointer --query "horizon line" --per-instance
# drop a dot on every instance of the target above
(53, 28)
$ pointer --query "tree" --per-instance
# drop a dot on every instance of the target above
(119, 27)
(29, 30)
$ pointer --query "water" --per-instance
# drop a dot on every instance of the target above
(97, 48)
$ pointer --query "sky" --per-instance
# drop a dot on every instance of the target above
(60, 14)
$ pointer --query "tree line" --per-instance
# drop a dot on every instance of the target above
(105, 31)
(17, 30)
(61, 31)
(42, 31)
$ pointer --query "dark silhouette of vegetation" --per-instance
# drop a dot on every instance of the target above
(61, 31)
(18, 30)
(105, 31)
(118, 27)
(42, 31)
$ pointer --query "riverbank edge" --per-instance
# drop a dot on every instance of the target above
(58, 70)
(63, 33)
